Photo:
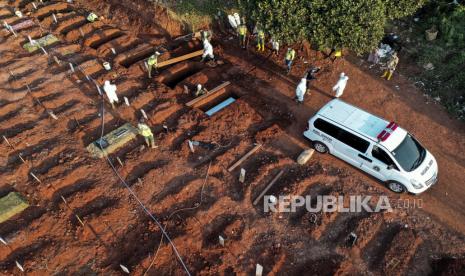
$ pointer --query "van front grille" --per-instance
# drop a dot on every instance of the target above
(432, 180)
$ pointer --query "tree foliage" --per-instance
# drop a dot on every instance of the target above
(284, 20)
(354, 24)
(401, 8)
(357, 25)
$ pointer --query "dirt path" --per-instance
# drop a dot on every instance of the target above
(398, 100)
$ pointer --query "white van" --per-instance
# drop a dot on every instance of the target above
(376, 146)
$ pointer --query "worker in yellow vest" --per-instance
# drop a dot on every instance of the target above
(290, 56)
(335, 53)
(146, 132)
(92, 17)
(242, 30)
(391, 66)
(260, 40)
(152, 62)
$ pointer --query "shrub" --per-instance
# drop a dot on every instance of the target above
(357, 25)
(401, 8)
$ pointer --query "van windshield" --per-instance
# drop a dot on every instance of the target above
(410, 154)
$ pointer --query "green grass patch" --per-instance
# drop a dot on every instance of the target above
(10, 205)
(197, 14)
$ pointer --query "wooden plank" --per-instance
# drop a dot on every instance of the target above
(208, 94)
(188, 37)
(268, 187)
(178, 59)
(244, 157)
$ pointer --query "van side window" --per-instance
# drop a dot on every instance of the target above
(344, 136)
(353, 141)
(382, 156)
(326, 127)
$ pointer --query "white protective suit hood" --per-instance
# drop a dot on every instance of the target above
(207, 49)
(341, 85)
(301, 89)
(110, 91)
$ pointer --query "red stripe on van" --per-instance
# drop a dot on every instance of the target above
(380, 136)
(387, 131)
(384, 138)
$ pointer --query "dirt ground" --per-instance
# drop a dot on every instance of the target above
(193, 194)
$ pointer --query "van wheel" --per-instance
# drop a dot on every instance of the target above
(320, 147)
(396, 187)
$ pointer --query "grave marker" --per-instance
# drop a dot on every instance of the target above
(221, 240)
(144, 114)
(57, 61)
(259, 270)
(35, 177)
(19, 266)
(242, 176)
(3, 241)
(20, 157)
(191, 145)
(125, 269)
(43, 50)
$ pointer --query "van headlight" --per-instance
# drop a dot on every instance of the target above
(416, 184)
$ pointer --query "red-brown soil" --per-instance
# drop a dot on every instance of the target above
(192, 193)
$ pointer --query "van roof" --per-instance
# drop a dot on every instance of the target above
(362, 122)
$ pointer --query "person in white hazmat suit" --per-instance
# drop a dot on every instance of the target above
(110, 90)
(207, 50)
(301, 90)
(341, 85)
(232, 22)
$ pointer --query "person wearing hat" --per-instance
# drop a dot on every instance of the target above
(391, 66)
(290, 56)
(341, 85)
(200, 90)
(146, 132)
(152, 62)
